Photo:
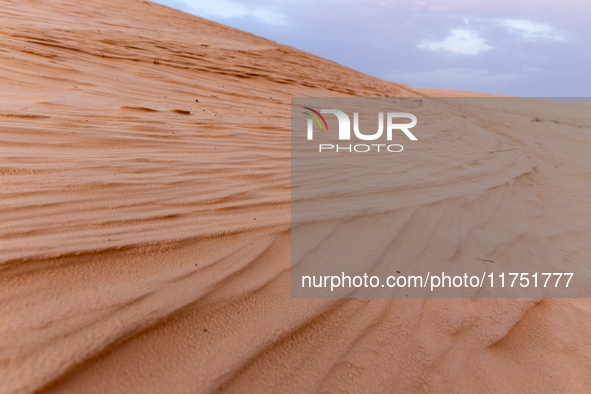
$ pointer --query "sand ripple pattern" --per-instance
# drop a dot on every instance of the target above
(145, 221)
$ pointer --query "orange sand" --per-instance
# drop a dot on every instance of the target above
(144, 235)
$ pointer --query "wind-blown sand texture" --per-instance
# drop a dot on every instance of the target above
(145, 221)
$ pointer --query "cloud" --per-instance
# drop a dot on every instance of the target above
(231, 9)
(523, 48)
(462, 41)
(531, 31)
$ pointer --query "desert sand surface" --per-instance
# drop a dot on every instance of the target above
(145, 221)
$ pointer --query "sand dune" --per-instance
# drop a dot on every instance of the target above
(145, 221)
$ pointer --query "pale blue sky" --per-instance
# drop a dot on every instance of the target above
(514, 47)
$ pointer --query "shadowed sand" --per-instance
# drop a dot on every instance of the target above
(145, 221)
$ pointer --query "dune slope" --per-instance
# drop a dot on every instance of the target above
(145, 221)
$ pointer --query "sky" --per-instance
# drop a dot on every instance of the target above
(527, 48)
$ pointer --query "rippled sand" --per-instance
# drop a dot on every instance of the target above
(145, 221)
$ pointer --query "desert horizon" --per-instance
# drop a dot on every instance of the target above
(152, 221)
